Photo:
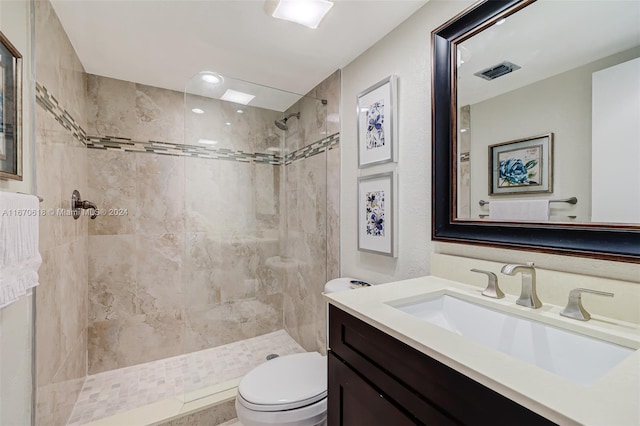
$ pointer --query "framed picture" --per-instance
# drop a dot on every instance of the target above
(521, 166)
(376, 214)
(10, 110)
(377, 123)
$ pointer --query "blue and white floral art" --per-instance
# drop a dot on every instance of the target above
(513, 172)
(375, 126)
(375, 213)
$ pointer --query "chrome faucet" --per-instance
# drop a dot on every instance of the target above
(528, 296)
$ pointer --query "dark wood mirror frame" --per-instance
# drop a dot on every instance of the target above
(610, 242)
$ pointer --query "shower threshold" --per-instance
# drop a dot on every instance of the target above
(168, 388)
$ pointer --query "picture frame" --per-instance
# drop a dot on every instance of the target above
(377, 132)
(376, 214)
(522, 166)
(10, 110)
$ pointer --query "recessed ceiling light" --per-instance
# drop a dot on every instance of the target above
(228, 123)
(463, 130)
(240, 111)
(197, 111)
(237, 97)
(212, 78)
(502, 21)
(304, 12)
(207, 141)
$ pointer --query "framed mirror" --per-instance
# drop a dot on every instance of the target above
(536, 137)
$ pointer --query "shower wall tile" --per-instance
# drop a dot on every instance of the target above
(134, 340)
(159, 273)
(61, 162)
(333, 213)
(57, 65)
(312, 217)
(130, 110)
(252, 130)
(112, 186)
(112, 277)
(206, 264)
(159, 193)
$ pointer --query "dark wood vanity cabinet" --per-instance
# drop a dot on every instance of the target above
(376, 380)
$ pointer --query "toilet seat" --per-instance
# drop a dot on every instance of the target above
(285, 383)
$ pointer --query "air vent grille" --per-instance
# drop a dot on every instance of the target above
(496, 71)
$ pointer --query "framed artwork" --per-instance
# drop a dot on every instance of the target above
(376, 214)
(521, 166)
(10, 110)
(377, 123)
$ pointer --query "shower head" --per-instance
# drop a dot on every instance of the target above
(282, 123)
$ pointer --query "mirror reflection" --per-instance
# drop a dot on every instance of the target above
(548, 123)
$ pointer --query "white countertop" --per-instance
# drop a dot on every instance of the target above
(613, 400)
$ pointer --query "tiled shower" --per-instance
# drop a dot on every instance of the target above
(198, 245)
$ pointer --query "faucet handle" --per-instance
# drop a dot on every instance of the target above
(574, 308)
(492, 289)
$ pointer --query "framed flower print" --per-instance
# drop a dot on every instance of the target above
(377, 123)
(521, 166)
(376, 214)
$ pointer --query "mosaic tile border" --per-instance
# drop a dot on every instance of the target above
(62, 116)
(313, 149)
(111, 143)
(164, 148)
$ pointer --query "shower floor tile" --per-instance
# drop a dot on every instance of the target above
(115, 391)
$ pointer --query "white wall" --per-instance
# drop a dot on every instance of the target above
(16, 319)
(615, 147)
(406, 52)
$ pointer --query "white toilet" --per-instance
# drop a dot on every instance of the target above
(289, 391)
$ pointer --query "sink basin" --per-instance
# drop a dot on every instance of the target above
(579, 358)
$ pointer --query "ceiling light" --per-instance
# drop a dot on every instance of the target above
(212, 78)
(304, 12)
(237, 97)
(240, 111)
(197, 111)
(502, 21)
(207, 141)
(228, 123)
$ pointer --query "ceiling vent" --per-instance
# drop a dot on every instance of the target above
(496, 71)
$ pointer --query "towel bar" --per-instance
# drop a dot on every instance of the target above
(482, 216)
(571, 200)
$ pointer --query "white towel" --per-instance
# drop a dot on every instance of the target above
(19, 256)
(537, 210)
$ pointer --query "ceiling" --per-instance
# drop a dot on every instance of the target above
(165, 43)
(546, 38)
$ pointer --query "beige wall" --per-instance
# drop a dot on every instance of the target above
(62, 167)
(406, 52)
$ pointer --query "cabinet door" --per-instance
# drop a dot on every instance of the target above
(354, 402)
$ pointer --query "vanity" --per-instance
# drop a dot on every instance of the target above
(389, 363)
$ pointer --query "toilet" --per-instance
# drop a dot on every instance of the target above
(289, 391)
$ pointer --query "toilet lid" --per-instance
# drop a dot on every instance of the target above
(285, 383)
